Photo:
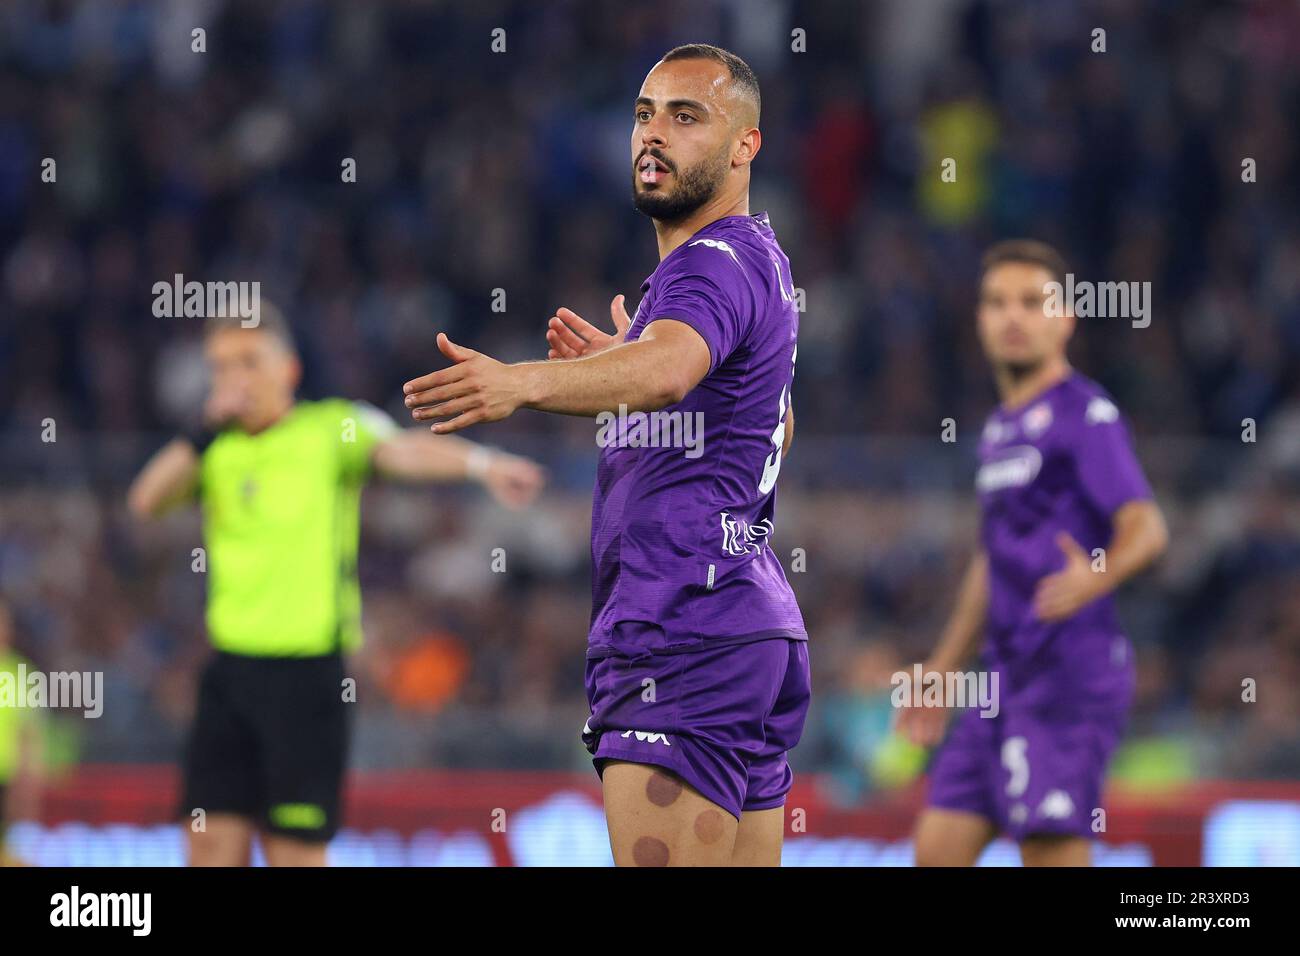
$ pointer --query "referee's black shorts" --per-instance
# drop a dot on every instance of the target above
(269, 743)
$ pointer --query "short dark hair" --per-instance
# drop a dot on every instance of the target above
(269, 319)
(1026, 251)
(740, 71)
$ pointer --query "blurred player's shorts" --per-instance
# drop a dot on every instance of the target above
(1028, 773)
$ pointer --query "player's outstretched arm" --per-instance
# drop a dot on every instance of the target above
(30, 772)
(570, 336)
(961, 636)
(1140, 536)
(658, 369)
(168, 478)
(172, 474)
(415, 455)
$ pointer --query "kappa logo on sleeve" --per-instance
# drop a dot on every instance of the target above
(1101, 411)
(719, 245)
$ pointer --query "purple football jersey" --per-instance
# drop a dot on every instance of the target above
(685, 498)
(1062, 462)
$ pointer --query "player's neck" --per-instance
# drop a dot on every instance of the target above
(1017, 391)
(673, 234)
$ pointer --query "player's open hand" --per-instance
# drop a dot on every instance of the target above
(922, 726)
(476, 388)
(513, 481)
(1060, 595)
(571, 336)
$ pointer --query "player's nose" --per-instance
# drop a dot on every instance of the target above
(652, 135)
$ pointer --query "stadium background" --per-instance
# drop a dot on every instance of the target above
(482, 171)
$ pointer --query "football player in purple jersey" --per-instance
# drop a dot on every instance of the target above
(1067, 517)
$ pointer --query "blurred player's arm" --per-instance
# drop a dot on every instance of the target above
(415, 455)
(1139, 537)
(924, 726)
(168, 479)
(789, 431)
(29, 774)
(961, 636)
(658, 369)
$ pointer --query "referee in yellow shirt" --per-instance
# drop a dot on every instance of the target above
(279, 482)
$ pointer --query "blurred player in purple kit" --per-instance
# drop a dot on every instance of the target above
(1067, 517)
(697, 668)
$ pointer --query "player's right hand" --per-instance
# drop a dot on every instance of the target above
(571, 336)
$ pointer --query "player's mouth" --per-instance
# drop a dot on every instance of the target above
(651, 170)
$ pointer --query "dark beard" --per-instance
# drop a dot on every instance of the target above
(1019, 371)
(695, 187)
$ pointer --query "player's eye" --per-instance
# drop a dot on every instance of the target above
(643, 116)
(686, 117)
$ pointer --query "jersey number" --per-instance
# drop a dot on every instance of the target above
(772, 466)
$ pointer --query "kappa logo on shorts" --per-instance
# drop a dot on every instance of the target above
(1057, 805)
(648, 737)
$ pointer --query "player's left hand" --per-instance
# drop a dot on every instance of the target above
(1061, 594)
(477, 388)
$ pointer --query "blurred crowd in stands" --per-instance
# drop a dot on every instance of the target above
(488, 177)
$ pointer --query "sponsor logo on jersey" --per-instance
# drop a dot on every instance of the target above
(1015, 468)
(739, 538)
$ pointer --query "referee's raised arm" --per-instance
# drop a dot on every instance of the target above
(169, 478)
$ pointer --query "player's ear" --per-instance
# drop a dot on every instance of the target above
(747, 147)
